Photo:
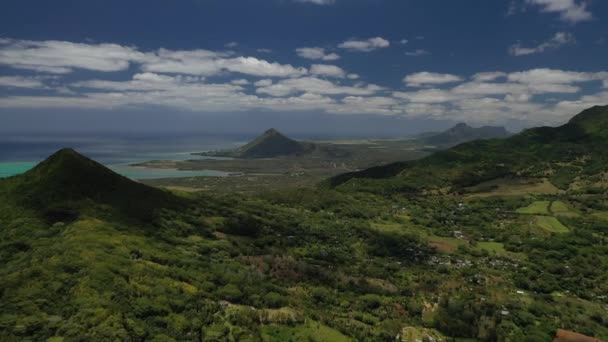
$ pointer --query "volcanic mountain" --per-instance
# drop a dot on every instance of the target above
(272, 144)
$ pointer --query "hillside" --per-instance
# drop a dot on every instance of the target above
(295, 264)
(562, 154)
(462, 133)
(67, 183)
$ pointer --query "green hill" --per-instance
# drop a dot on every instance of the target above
(67, 183)
(563, 154)
(463, 133)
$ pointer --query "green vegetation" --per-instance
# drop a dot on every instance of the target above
(396, 251)
(603, 216)
(561, 209)
(537, 207)
(569, 152)
(551, 224)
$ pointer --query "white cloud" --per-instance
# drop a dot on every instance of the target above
(425, 78)
(240, 81)
(572, 11)
(231, 45)
(427, 96)
(552, 76)
(488, 76)
(263, 50)
(327, 70)
(208, 63)
(365, 45)
(263, 83)
(314, 85)
(218, 81)
(316, 53)
(20, 82)
(61, 57)
(558, 40)
(417, 53)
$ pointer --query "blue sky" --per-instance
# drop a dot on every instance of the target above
(370, 65)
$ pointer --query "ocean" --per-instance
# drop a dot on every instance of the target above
(21, 152)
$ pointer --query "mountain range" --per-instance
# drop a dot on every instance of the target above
(462, 133)
(561, 154)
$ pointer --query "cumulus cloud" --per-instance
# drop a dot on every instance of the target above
(208, 63)
(240, 81)
(216, 81)
(367, 45)
(327, 70)
(316, 53)
(428, 78)
(315, 85)
(571, 11)
(60, 57)
(21, 82)
(263, 83)
(488, 76)
(552, 76)
(558, 40)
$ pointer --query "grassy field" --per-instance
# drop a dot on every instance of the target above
(511, 187)
(602, 215)
(562, 209)
(536, 208)
(551, 224)
(492, 247)
(445, 244)
(309, 331)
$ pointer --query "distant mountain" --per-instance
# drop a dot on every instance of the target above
(462, 133)
(272, 144)
(67, 182)
(576, 150)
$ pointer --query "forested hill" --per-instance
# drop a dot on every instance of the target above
(67, 184)
(574, 151)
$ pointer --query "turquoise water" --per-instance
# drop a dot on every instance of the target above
(8, 169)
(19, 153)
(11, 169)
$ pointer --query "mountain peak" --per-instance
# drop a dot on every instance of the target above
(272, 131)
(271, 144)
(67, 178)
(461, 125)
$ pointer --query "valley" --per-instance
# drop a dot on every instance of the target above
(486, 241)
